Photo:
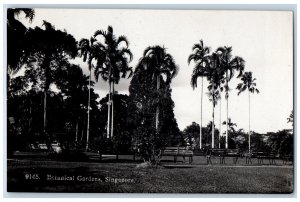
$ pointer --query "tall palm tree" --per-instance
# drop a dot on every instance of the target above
(229, 65)
(215, 77)
(230, 124)
(112, 64)
(231, 127)
(201, 58)
(161, 63)
(88, 51)
(248, 83)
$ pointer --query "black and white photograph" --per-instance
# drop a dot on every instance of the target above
(149, 101)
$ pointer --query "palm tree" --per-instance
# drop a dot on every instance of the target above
(201, 58)
(16, 31)
(112, 64)
(229, 65)
(215, 77)
(230, 124)
(88, 51)
(248, 83)
(221, 88)
(231, 127)
(161, 63)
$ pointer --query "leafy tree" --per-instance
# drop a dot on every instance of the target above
(258, 142)
(68, 109)
(239, 138)
(201, 58)
(112, 65)
(191, 133)
(48, 49)
(143, 103)
(280, 142)
(169, 132)
(229, 65)
(207, 139)
(120, 143)
(73, 85)
(16, 37)
(248, 83)
(22, 108)
(24, 114)
(16, 86)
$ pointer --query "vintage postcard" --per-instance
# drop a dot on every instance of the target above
(149, 101)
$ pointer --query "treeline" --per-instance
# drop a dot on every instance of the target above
(280, 142)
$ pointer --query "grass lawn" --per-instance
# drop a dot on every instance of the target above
(197, 179)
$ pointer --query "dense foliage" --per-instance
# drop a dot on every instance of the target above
(144, 99)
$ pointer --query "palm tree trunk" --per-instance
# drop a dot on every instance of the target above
(30, 119)
(249, 123)
(200, 140)
(227, 96)
(45, 110)
(152, 158)
(213, 127)
(112, 109)
(88, 112)
(46, 88)
(76, 137)
(108, 111)
(220, 130)
(82, 131)
(157, 107)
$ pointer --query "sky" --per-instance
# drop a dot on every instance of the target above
(263, 38)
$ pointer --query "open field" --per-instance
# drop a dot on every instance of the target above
(108, 177)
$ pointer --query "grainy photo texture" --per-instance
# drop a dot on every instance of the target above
(149, 101)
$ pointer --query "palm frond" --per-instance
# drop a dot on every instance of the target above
(197, 47)
(29, 13)
(220, 50)
(130, 73)
(127, 51)
(121, 39)
(242, 89)
(191, 57)
(110, 30)
(194, 79)
(148, 49)
(100, 32)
